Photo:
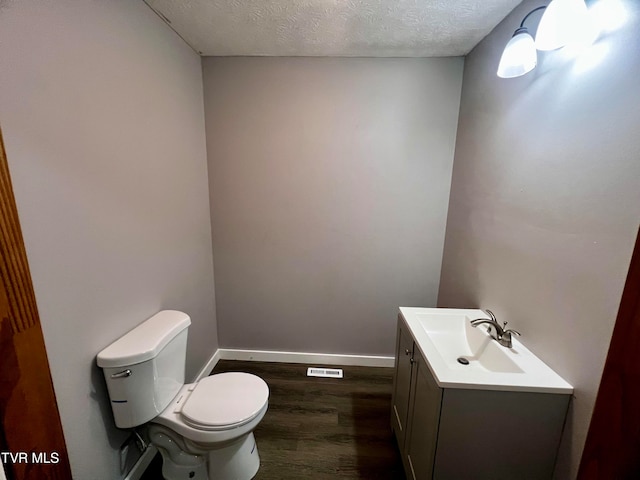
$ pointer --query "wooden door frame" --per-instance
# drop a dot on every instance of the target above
(612, 448)
(29, 419)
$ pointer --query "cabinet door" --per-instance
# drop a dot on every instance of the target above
(424, 418)
(402, 383)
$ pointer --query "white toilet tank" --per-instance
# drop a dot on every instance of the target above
(145, 368)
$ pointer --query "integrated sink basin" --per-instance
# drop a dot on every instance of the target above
(455, 338)
(462, 356)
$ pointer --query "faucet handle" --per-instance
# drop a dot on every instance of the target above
(509, 330)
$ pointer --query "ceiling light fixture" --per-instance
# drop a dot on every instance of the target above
(519, 56)
(564, 22)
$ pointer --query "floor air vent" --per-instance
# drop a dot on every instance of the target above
(324, 372)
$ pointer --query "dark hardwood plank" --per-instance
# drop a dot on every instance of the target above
(322, 428)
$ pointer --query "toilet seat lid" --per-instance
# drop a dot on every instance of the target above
(225, 400)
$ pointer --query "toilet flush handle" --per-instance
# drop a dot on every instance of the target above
(122, 374)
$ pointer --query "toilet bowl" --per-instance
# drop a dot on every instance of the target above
(203, 430)
(214, 419)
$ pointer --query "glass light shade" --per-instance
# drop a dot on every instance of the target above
(519, 56)
(564, 22)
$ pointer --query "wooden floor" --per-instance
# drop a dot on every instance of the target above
(322, 428)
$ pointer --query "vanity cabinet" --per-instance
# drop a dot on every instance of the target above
(454, 433)
(422, 429)
(402, 384)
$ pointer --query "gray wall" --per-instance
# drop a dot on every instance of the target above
(545, 202)
(329, 181)
(102, 112)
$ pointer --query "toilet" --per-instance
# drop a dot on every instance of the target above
(203, 430)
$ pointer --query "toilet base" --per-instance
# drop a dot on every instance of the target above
(183, 459)
(236, 461)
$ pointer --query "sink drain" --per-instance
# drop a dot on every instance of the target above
(463, 361)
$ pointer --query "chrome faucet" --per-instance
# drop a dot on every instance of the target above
(502, 335)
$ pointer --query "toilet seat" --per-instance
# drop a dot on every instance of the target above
(225, 401)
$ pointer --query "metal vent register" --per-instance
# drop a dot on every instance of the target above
(324, 372)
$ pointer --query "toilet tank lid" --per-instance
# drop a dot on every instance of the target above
(145, 341)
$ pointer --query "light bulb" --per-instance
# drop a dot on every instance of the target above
(519, 56)
(565, 22)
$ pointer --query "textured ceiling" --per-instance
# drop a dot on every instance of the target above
(369, 28)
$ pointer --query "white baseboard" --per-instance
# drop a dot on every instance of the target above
(141, 465)
(293, 357)
(206, 370)
(307, 358)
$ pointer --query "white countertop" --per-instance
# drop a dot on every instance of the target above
(444, 334)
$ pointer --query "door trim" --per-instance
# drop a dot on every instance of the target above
(29, 418)
(613, 440)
